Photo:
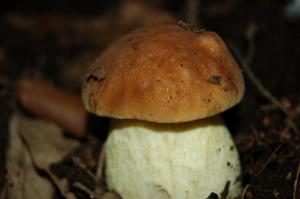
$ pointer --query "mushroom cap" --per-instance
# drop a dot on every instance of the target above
(164, 74)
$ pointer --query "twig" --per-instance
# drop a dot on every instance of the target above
(264, 91)
(273, 155)
(100, 166)
(244, 191)
(77, 162)
(245, 64)
(84, 189)
(296, 182)
(192, 12)
(62, 185)
(94, 195)
(100, 189)
(256, 136)
(290, 123)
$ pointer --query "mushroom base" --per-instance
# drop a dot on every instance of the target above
(189, 160)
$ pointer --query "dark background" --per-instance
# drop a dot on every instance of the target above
(49, 50)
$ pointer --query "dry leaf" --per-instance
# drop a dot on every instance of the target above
(53, 104)
(23, 180)
(37, 144)
(47, 145)
(45, 141)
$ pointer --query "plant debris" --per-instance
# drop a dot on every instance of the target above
(23, 179)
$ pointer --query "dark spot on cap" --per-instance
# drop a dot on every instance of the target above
(168, 99)
(215, 79)
(135, 45)
(93, 78)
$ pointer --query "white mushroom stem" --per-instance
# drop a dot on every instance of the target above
(171, 161)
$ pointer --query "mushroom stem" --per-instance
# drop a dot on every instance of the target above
(174, 161)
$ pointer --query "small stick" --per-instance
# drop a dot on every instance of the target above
(77, 161)
(245, 64)
(192, 12)
(48, 102)
(244, 191)
(296, 182)
(84, 189)
(270, 158)
(256, 136)
(101, 161)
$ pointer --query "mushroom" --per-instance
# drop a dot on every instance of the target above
(163, 87)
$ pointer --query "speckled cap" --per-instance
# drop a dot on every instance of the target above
(165, 74)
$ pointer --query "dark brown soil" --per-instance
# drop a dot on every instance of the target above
(268, 144)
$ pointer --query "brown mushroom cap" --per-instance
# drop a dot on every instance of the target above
(164, 74)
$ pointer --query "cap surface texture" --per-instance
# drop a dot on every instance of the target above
(163, 74)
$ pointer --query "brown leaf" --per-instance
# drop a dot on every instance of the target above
(23, 180)
(45, 141)
(53, 104)
(47, 145)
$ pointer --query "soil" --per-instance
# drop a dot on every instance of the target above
(268, 139)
